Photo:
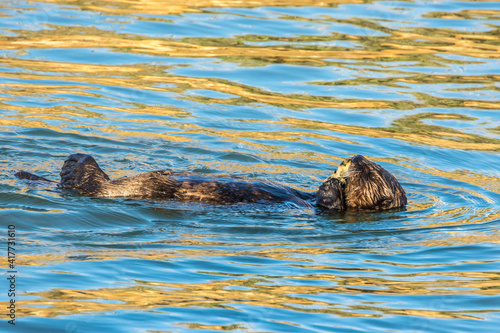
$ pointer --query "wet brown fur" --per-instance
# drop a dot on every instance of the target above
(357, 184)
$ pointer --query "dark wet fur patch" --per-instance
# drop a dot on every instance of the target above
(364, 186)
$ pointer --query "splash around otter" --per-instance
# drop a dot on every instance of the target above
(357, 184)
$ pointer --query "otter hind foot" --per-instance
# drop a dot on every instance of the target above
(81, 171)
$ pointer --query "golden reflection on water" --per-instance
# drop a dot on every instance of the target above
(453, 240)
(407, 128)
(259, 291)
(415, 46)
(168, 7)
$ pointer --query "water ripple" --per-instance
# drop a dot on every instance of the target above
(270, 91)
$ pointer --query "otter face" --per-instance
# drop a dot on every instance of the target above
(361, 184)
(372, 187)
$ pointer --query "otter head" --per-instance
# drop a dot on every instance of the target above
(360, 184)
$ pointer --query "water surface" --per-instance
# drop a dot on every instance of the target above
(272, 90)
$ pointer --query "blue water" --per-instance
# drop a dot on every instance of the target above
(265, 91)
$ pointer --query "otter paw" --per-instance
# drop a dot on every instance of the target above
(330, 195)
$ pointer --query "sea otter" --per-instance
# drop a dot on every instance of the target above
(357, 184)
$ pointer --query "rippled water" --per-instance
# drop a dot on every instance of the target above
(271, 90)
